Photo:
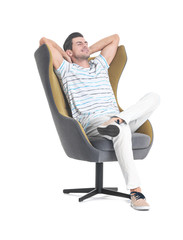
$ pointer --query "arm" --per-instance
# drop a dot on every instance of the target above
(57, 52)
(107, 46)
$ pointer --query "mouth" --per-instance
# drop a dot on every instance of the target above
(85, 50)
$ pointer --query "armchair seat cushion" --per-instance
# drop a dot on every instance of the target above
(139, 141)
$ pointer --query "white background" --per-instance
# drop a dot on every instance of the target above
(33, 166)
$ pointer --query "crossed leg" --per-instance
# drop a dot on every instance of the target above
(138, 113)
(130, 120)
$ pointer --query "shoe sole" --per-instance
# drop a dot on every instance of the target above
(143, 208)
(110, 130)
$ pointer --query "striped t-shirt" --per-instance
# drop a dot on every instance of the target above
(88, 90)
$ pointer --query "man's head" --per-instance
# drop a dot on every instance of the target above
(76, 47)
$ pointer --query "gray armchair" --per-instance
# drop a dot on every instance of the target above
(73, 138)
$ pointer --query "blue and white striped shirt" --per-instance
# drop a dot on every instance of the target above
(88, 90)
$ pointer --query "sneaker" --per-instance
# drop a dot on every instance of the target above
(111, 130)
(138, 201)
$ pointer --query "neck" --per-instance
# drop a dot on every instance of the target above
(82, 63)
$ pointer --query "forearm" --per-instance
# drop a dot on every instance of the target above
(100, 45)
(54, 46)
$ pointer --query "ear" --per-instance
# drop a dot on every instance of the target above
(69, 53)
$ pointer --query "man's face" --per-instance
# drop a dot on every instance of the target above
(80, 48)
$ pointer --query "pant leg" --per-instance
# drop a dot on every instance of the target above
(134, 117)
(138, 113)
(123, 148)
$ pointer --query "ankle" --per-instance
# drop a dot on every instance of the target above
(138, 189)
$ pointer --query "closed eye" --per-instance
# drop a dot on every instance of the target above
(80, 43)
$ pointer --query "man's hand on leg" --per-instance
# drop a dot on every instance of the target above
(114, 119)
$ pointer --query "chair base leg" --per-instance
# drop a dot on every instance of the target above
(78, 190)
(98, 187)
(93, 191)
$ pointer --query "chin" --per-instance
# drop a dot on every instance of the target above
(85, 56)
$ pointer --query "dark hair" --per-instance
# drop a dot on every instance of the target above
(68, 42)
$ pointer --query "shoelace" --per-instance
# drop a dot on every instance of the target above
(137, 195)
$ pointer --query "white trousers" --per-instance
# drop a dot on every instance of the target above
(134, 117)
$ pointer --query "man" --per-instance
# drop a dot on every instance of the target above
(93, 104)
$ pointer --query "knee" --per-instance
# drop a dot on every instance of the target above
(124, 135)
(125, 130)
(154, 99)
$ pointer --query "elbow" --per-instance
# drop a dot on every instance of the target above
(42, 41)
(116, 38)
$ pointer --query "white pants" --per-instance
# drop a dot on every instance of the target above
(134, 117)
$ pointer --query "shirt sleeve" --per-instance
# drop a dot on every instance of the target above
(102, 61)
(63, 69)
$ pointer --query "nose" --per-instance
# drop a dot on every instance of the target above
(85, 47)
(85, 44)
